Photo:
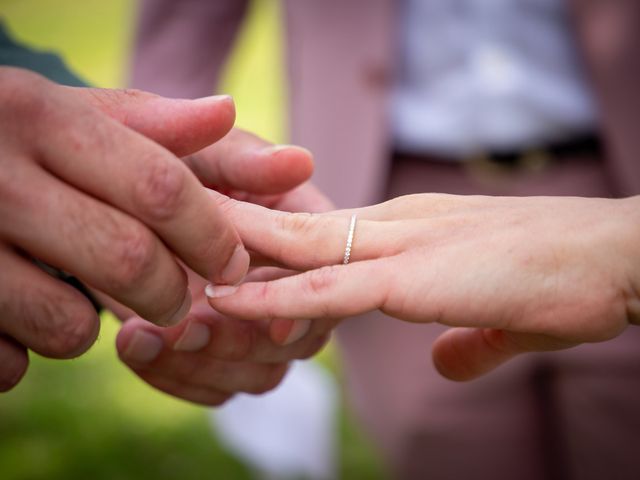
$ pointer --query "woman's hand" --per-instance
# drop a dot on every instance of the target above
(519, 274)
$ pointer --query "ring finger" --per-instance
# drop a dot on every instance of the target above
(42, 313)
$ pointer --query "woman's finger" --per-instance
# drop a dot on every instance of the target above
(41, 312)
(466, 353)
(302, 241)
(14, 361)
(102, 246)
(329, 292)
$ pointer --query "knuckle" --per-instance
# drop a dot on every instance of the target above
(499, 341)
(8, 381)
(226, 205)
(111, 98)
(312, 226)
(131, 257)
(16, 80)
(263, 296)
(104, 99)
(22, 93)
(158, 193)
(73, 339)
(297, 223)
(313, 347)
(13, 193)
(132, 94)
(217, 399)
(55, 322)
(321, 280)
(243, 344)
(272, 379)
(188, 371)
(318, 284)
(66, 330)
(399, 202)
(302, 228)
(233, 341)
(289, 221)
(217, 252)
(14, 365)
(114, 102)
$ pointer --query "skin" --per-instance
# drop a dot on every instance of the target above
(209, 357)
(92, 182)
(511, 275)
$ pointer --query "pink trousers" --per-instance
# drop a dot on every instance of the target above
(566, 415)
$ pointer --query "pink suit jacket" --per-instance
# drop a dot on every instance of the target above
(341, 62)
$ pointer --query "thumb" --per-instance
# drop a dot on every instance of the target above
(181, 126)
(463, 354)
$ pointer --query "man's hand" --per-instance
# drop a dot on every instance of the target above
(209, 357)
(86, 187)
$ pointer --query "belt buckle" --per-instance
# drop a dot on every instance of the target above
(484, 168)
(534, 160)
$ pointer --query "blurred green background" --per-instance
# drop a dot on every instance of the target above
(90, 417)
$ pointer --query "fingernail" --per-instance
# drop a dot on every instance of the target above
(144, 347)
(177, 317)
(195, 337)
(237, 267)
(279, 148)
(299, 330)
(219, 291)
(214, 98)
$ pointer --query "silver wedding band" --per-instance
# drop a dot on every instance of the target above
(352, 229)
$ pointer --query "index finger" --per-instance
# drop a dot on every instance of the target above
(103, 158)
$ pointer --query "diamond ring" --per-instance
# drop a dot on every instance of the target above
(352, 229)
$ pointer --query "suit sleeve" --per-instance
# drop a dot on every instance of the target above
(181, 46)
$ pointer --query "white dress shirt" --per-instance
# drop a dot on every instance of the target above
(488, 75)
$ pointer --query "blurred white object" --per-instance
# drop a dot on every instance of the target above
(289, 432)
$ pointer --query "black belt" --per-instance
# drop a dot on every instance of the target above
(556, 151)
(530, 158)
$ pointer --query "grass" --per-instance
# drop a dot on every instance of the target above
(90, 417)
